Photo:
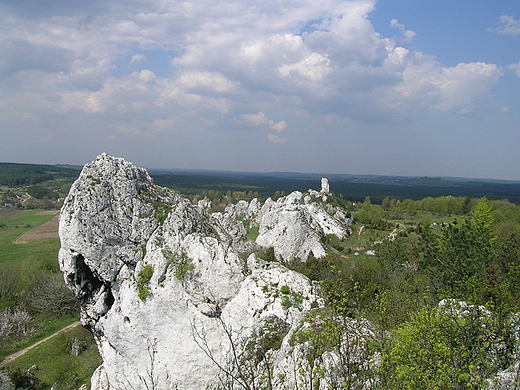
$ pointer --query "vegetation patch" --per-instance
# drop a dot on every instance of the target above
(266, 339)
(74, 359)
(181, 263)
(267, 254)
(285, 290)
(252, 232)
(161, 211)
(143, 281)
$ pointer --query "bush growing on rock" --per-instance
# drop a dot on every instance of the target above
(143, 280)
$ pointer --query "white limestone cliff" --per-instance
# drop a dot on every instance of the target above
(325, 188)
(294, 227)
(161, 283)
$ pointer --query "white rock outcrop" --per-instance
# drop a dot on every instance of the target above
(325, 188)
(294, 227)
(161, 284)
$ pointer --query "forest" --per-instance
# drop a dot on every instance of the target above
(28, 174)
(352, 187)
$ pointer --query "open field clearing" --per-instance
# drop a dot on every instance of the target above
(48, 230)
(74, 358)
(7, 212)
(15, 224)
(18, 354)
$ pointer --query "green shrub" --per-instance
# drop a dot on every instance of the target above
(459, 347)
(143, 280)
(183, 265)
(184, 268)
(25, 380)
(268, 255)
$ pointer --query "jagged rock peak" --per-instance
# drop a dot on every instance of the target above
(293, 226)
(325, 189)
(161, 284)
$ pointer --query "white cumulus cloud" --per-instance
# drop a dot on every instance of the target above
(408, 35)
(274, 139)
(261, 119)
(508, 25)
(139, 57)
(514, 68)
(163, 68)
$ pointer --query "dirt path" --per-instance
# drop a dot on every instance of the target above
(16, 355)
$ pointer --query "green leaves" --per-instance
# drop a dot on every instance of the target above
(458, 253)
(483, 221)
(454, 346)
(183, 265)
(143, 280)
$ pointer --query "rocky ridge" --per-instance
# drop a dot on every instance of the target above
(163, 286)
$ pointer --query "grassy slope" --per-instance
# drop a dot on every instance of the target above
(15, 225)
(55, 362)
(52, 358)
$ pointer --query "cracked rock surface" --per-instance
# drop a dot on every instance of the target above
(155, 275)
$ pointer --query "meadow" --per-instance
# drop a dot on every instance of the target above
(24, 269)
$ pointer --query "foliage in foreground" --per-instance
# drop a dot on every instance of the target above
(443, 300)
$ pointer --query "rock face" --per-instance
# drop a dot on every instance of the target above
(294, 227)
(161, 282)
(325, 189)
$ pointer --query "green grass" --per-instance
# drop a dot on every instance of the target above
(28, 261)
(56, 363)
(252, 233)
(30, 254)
(25, 253)
(367, 237)
(22, 217)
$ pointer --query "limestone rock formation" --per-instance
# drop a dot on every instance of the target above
(325, 189)
(324, 192)
(294, 227)
(161, 283)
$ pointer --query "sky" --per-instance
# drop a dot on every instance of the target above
(388, 87)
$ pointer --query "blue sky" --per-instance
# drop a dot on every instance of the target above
(390, 87)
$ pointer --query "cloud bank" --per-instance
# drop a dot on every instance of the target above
(153, 69)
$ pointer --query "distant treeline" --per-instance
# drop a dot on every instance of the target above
(14, 175)
(354, 188)
(263, 185)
